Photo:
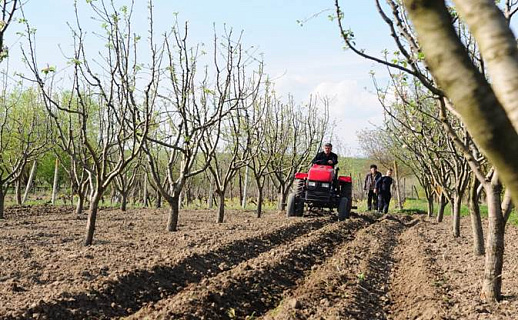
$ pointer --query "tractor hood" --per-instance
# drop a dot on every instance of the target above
(321, 173)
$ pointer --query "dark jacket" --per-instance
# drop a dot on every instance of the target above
(370, 181)
(383, 184)
(323, 158)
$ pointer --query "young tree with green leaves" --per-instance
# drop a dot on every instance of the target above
(23, 134)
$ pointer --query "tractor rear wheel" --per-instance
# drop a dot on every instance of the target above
(346, 191)
(344, 209)
(295, 207)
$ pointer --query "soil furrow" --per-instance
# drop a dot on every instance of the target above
(352, 284)
(130, 292)
(418, 290)
(257, 285)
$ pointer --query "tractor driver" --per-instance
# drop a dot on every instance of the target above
(326, 157)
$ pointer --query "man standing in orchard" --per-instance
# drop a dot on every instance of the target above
(326, 157)
(370, 185)
(383, 186)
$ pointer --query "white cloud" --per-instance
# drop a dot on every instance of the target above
(345, 80)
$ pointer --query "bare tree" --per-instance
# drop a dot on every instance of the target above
(266, 137)
(125, 181)
(234, 146)
(112, 114)
(192, 113)
(303, 128)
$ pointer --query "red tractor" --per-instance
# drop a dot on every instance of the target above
(320, 188)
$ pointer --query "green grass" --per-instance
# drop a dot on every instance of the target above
(231, 204)
(421, 206)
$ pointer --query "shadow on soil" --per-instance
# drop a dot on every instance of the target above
(130, 292)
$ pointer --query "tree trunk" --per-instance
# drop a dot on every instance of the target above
(134, 194)
(245, 187)
(113, 193)
(2, 203)
(18, 191)
(280, 202)
(124, 200)
(398, 192)
(457, 202)
(492, 283)
(476, 221)
(240, 185)
(158, 203)
(259, 201)
(471, 95)
(210, 200)
(283, 195)
(88, 193)
(172, 221)
(430, 205)
(507, 205)
(145, 195)
(404, 190)
(92, 217)
(29, 183)
(442, 206)
(55, 182)
(80, 203)
(221, 207)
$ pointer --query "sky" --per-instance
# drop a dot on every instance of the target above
(302, 60)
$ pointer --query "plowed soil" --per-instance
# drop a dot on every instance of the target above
(368, 267)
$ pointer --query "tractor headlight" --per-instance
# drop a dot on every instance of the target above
(325, 185)
(312, 184)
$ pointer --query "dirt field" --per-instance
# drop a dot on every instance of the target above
(368, 267)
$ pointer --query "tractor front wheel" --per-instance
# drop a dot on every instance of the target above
(295, 206)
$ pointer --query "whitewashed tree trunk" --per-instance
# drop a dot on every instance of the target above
(145, 196)
(55, 184)
(29, 183)
(398, 192)
(245, 188)
(210, 200)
